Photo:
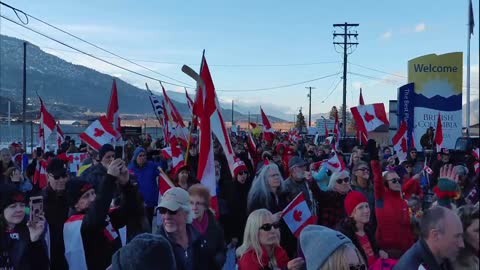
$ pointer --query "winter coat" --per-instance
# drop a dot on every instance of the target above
(394, 230)
(147, 181)
(249, 260)
(22, 254)
(216, 241)
(56, 213)
(331, 209)
(97, 246)
(197, 256)
(348, 229)
(234, 221)
(420, 254)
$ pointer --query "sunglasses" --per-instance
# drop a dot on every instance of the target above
(343, 180)
(394, 180)
(363, 169)
(242, 173)
(268, 226)
(413, 153)
(164, 211)
(56, 177)
(358, 267)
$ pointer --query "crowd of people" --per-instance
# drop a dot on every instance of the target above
(376, 212)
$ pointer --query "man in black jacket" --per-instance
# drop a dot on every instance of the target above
(441, 239)
(189, 246)
(56, 212)
(94, 222)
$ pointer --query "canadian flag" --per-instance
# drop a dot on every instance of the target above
(166, 121)
(189, 101)
(113, 111)
(326, 128)
(361, 136)
(99, 133)
(75, 160)
(297, 215)
(294, 136)
(400, 144)
(177, 155)
(167, 152)
(40, 176)
(164, 184)
(205, 106)
(268, 131)
(369, 117)
(47, 125)
(60, 136)
(428, 169)
(439, 134)
(181, 132)
(476, 155)
(335, 164)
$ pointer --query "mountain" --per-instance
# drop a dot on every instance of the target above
(69, 90)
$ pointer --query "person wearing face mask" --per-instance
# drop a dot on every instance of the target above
(356, 227)
(393, 218)
(21, 244)
(146, 173)
(204, 222)
(261, 247)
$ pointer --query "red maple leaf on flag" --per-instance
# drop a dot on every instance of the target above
(369, 117)
(297, 215)
(404, 145)
(98, 132)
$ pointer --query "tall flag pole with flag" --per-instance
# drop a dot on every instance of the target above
(361, 136)
(471, 26)
(268, 131)
(47, 125)
(113, 111)
(100, 132)
(336, 133)
(60, 136)
(158, 109)
(177, 126)
(439, 134)
(369, 117)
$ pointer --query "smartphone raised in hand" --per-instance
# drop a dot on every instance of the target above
(36, 208)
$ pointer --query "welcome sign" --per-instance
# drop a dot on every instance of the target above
(438, 88)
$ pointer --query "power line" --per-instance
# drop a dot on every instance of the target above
(91, 55)
(280, 86)
(375, 78)
(377, 70)
(83, 40)
(333, 90)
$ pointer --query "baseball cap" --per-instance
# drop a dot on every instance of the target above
(175, 198)
(296, 161)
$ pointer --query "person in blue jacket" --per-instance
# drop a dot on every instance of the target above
(146, 173)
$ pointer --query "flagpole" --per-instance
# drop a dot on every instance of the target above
(469, 33)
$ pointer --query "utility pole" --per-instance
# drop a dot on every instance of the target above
(346, 34)
(24, 109)
(310, 105)
(232, 113)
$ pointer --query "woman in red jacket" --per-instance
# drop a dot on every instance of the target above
(394, 230)
(261, 245)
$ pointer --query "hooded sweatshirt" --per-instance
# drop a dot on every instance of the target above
(146, 178)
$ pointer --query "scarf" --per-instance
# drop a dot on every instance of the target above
(201, 225)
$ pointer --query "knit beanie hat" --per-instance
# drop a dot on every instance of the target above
(75, 188)
(147, 252)
(137, 152)
(105, 148)
(239, 166)
(353, 199)
(57, 167)
(315, 238)
(446, 190)
(9, 195)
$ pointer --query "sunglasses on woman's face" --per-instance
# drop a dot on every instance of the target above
(268, 226)
(343, 180)
(358, 267)
(242, 173)
(164, 211)
(394, 180)
(56, 177)
(363, 169)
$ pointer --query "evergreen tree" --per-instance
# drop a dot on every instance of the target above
(300, 124)
(332, 113)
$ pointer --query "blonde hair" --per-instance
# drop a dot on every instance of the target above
(250, 237)
(338, 259)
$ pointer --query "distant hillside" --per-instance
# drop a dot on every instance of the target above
(68, 90)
